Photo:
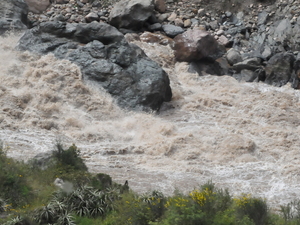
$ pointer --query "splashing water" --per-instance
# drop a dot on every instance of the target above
(243, 136)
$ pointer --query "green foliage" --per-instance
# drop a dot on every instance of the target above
(291, 212)
(14, 188)
(254, 208)
(95, 199)
(70, 158)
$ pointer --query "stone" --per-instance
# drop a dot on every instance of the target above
(156, 38)
(92, 16)
(252, 64)
(178, 22)
(131, 14)
(279, 69)
(187, 23)
(106, 58)
(37, 6)
(208, 67)
(262, 18)
(172, 17)
(233, 56)
(160, 6)
(245, 75)
(172, 30)
(223, 40)
(13, 15)
(155, 27)
(194, 45)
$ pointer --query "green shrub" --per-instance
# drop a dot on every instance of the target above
(254, 208)
(69, 158)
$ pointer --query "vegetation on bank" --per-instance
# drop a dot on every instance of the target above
(28, 196)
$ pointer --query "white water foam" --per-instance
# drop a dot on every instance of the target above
(243, 136)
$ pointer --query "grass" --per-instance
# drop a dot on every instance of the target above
(28, 196)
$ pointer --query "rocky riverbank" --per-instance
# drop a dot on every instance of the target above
(249, 40)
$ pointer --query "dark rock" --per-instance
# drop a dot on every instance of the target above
(104, 56)
(131, 14)
(248, 64)
(279, 69)
(205, 67)
(296, 74)
(194, 45)
(172, 30)
(13, 15)
(246, 75)
(155, 27)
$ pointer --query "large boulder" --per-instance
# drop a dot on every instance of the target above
(38, 6)
(131, 14)
(104, 56)
(194, 45)
(279, 69)
(13, 15)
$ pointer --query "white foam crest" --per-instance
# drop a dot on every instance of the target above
(243, 136)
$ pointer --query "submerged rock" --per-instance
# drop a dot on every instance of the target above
(104, 56)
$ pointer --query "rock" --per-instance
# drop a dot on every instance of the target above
(233, 56)
(249, 64)
(172, 30)
(283, 30)
(279, 69)
(13, 15)
(223, 40)
(201, 12)
(156, 38)
(178, 22)
(155, 27)
(131, 14)
(172, 17)
(194, 45)
(92, 16)
(104, 56)
(187, 23)
(160, 6)
(296, 78)
(205, 67)
(262, 18)
(37, 6)
(246, 75)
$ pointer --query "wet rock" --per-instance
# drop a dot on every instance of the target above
(296, 77)
(13, 15)
(248, 64)
(131, 14)
(194, 45)
(246, 75)
(279, 69)
(205, 67)
(37, 6)
(172, 30)
(104, 56)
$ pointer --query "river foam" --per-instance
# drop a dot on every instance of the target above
(243, 136)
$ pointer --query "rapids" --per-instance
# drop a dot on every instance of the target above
(244, 136)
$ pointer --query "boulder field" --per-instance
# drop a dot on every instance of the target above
(251, 40)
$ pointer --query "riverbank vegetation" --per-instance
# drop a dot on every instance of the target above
(29, 196)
